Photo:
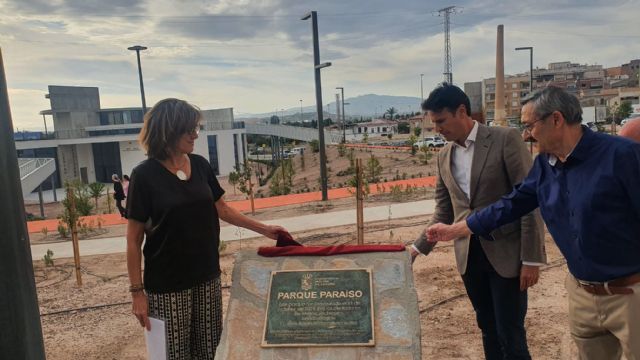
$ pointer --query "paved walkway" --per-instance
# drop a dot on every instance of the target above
(233, 233)
(245, 205)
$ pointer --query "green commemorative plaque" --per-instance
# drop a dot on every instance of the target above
(319, 308)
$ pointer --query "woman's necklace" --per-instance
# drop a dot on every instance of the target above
(179, 173)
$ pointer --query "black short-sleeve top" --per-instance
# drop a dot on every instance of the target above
(182, 226)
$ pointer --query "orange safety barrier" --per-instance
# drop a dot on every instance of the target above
(245, 205)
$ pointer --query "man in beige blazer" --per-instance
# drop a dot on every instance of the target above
(478, 166)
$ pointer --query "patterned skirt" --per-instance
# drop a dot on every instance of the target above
(193, 320)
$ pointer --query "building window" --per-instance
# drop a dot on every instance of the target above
(244, 152)
(515, 94)
(136, 117)
(514, 85)
(106, 160)
(514, 103)
(235, 150)
(212, 141)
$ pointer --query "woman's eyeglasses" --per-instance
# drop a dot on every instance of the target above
(195, 131)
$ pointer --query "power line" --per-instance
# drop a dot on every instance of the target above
(556, 34)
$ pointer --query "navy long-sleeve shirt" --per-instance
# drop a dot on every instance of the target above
(590, 203)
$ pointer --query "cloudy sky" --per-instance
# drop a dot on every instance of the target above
(256, 56)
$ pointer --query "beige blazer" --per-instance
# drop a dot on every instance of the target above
(500, 161)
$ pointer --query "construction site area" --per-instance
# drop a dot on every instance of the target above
(94, 320)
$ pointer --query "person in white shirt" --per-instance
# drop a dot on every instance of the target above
(478, 166)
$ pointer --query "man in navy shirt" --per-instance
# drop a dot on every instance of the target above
(588, 190)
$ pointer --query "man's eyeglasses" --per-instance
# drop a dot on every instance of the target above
(528, 127)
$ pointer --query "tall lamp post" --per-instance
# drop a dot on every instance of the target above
(530, 48)
(300, 111)
(313, 15)
(421, 88)
(344, 119)
(137, 49)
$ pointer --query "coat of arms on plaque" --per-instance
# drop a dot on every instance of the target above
(306, 282)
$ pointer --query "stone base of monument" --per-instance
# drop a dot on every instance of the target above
(354, 306)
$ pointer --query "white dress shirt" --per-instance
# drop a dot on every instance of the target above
(461, 160)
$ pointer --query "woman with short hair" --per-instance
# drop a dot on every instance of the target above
(176, 201)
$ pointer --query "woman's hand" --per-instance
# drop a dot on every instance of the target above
(272, 231)
(141, 309)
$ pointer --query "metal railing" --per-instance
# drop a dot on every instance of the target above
(294, 132)
(30, 166)
(70, 134)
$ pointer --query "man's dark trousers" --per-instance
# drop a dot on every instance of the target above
(500, 307)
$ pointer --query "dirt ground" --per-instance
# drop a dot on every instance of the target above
(95, 322)
(395, 163)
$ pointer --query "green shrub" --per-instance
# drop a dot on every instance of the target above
(48, 258)
(62, 230)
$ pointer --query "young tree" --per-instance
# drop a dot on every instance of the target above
(342, 149)
(95, 190)
(365, 138)
(315, 146)
(417, 131)
(404, 128)
(244, 177)
(282, 179)
(353, 182)
(233, 180)
(373, 170)
(82, 197)
(425, 154)
(623, 111)
(412, 141)
(302, 165)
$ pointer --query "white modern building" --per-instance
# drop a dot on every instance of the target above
(91, 143)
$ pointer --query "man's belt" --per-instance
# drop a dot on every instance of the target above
(617, 286)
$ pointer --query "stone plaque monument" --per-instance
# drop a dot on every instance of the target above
(319, 308)
(351, 306)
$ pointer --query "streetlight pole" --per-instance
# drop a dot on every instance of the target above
(137, 49)
(19, 314)
(530, 48)
(344, 119)
(313, 15)
(421, 89)
(46, 133)
(300, 111)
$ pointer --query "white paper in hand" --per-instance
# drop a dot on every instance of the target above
(156, 340)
